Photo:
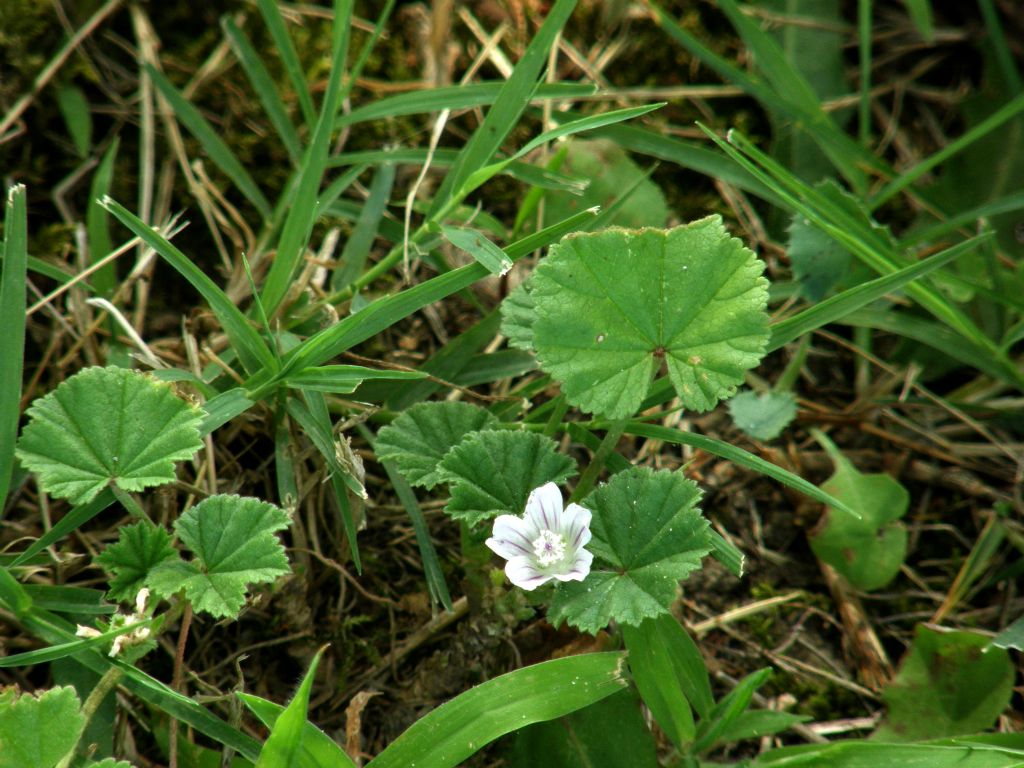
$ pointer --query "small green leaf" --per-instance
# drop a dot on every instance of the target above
(417, 440)
(648, 535)
(38, 730)
(139, 548)
(867, 551)
(74, 108)
(819, 262)
(234, 544)
(763, 417)
(614, 306)
(493, 472)
(106, 425)
(1012, 636)
(518, 312)
(948, 684)
(109, 762)
(283, 746)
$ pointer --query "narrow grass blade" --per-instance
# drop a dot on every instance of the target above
(738, 456)
(12, 320)
(263, 84)
(974, 567)
(317, 425)
(253, 353)
(214, 146)
(284, 744)
(921, 14)
(63, 650)
(343, 379)
(318, 750)
(286, 50)
(78, 516)
(502, 117)
(842, 304)
(384, 313)
(483, 251)
(302, 212)
(13, 595)
(97, 222)
(455, 97)
(446, 736)
(357, 247)
(963, 219)
(1007, 112)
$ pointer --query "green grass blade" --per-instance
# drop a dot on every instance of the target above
(455, 97)
(97, 222)
(284, 744)
(12, 320)
(513, 98)
(263, 84)
(997, 39)
(286, 50)
(785, 81)
(842, 304)
(736, 455)
(63, 650)
(864, 40)
(13, 595)
(316, 424)
(921, 14)
(446, 736)
(385, 312)
(214, 146)
(1005, 113)
(317, 751)
(247, 342)
(302, 212)
(964, 218)
(357, 247)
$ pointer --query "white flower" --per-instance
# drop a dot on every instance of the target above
(546, 542)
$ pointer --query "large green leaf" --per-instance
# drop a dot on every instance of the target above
(614, 306)
(949, 683)
(108, 425)
(38, 731)
(493, 472)
(446, 736)
(868, 550)
(235, 545)
(648, 535)
(418, 439)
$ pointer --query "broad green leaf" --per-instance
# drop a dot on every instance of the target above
(446, 736)
(610, 733)
(518, 312)
(764, 416)
(284, 744)
(107, 425)
(755, 723)
(868, 551)
(38, 731)
(608, 170)
(669, 672)
(317, 750)
(493, 472)
(234, 542)
(968, 752)
(418, 439)
(138, 549)
(949, 683)
(648, 535)
(819, 262)
(614, 306)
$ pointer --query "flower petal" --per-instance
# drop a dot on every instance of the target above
(576, 526)
(510, 537)
(522, 572)
(544, 508)
(580, 567)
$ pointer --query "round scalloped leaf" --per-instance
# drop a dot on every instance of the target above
(614, 306)
(418, 439)
(492, 473)
(763, 416)
(106, 425)
(38, 730)
(648, 534)
(517, 315)
(234, 542)
(138, 549)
